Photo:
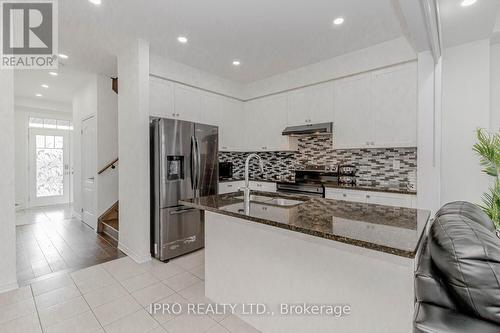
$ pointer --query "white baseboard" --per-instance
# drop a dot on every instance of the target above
(136, 257)
(8, 287)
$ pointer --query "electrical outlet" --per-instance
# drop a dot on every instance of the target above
(396, 164)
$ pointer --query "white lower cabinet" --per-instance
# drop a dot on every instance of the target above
(263, 186)
(379, 198)
(228, 187)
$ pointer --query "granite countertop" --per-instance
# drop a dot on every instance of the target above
(360, 187)
(228, 180)
(372, 188)
(393, 230)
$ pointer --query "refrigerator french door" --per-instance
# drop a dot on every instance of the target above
(184, 164)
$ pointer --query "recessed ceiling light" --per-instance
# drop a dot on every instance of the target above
(182, 39)
(63, 56)
(338, 21)
(467, 3)
(236, 62)
(38, 95)
(45, 86)
(53, 73)
(95, 2)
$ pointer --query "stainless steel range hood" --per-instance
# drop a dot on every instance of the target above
(310, 129)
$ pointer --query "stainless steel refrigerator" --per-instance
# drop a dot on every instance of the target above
(184, 164)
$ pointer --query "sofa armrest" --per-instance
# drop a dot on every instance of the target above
(434, 319)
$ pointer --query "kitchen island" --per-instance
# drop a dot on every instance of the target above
(296, 250)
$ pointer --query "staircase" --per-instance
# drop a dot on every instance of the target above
(108, 225)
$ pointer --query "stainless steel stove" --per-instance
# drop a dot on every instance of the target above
(309, 180)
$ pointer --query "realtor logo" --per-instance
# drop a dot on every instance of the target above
(29, 34)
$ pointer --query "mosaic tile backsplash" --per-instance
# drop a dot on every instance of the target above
(387, 167)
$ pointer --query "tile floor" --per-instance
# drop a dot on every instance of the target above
(115, 297)
(50, 240)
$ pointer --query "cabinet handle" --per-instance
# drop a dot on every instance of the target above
(229, 185)
(173, 114)
(368, 196)
(265, 148)
(344, 195)
(224, 147)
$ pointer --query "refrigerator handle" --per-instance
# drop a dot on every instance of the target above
(198, 167)
(193, 164)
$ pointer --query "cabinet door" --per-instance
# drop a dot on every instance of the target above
(210, 112)
(228, 187)
(346, 195)
(353, 126)
(161, 98)
(390, 199)
(262, 186)
(273, 122)
(298, 109)
(322, 104)
(231, 133)
(265, 120)
(394, 106)
(187, 103)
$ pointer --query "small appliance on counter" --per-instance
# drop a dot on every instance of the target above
(225, 170)
(347, 174)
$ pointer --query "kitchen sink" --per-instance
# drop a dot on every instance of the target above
(272, 201)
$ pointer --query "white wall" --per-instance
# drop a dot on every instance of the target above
(377, 56)
(495, 86)
(84, 106)
(96, 98)
(107, 144)
(22, 114)
(7, 188)
(429, 133)
(133, 140)
(466, 106)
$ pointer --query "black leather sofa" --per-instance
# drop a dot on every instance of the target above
(457, 280)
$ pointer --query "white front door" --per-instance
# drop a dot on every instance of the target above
(89, 172)
(48, 166)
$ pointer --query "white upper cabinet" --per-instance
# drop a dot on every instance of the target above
(161, 98)
(311, 105)
(265, 119)
(377, 109)
(394, 106)
(353, 127)
(187, 103)
(211, 105)
(231, 127)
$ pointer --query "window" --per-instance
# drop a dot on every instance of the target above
(50, 123)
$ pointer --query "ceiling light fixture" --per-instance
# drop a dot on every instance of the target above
(95, 2)
(38, 95)
(63, 56)
(53, 73)
(467, 3)
(338, 21)
(236, 62)
(182, 39)
(45, 86)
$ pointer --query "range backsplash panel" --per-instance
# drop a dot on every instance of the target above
(379, 167)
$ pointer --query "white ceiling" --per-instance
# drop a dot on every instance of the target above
(466, 24)
(27, 83)
(268, 36)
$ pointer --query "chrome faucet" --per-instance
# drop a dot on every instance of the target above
(246, 189)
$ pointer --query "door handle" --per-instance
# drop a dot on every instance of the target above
(198, 165)
(90, 178)
(181, 211)
(193, 164)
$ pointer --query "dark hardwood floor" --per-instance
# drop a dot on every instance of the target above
(50, 241)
